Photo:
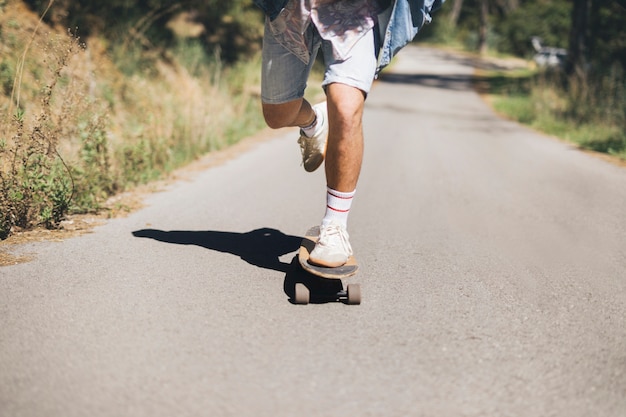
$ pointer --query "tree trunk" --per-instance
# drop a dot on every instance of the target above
(483, 30)
(455, 12)
(578, 40)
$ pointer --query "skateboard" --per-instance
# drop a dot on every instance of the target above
(352, 293)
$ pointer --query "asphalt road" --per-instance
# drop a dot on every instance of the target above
(493, 275)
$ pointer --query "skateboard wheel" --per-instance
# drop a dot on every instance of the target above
(302, 294)
(354, 294)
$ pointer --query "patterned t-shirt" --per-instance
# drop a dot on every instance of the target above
(342, 22)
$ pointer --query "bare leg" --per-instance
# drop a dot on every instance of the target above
(344, 154)
(293, 113)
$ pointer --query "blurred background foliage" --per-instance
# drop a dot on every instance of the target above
(234, 27)
(96, 97)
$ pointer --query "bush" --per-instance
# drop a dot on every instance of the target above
(36, 184)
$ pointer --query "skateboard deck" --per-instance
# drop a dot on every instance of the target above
(302, 294)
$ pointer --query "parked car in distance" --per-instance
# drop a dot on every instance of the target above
(548, 56)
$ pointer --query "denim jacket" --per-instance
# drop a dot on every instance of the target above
(398, 25)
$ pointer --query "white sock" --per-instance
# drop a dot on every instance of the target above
(337, 206)
(309, 130)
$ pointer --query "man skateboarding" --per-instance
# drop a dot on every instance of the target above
(357, 39)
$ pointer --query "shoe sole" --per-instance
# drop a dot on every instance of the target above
(313, 163)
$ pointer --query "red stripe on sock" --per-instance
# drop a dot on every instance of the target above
(337, 210)
(338, 196)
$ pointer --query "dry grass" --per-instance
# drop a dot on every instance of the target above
(78, 125)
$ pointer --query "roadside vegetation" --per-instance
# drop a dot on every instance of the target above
(82, 119)
(98, 97)
(588, 114)
(580, 97)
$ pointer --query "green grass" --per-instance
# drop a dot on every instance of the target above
(588, 116)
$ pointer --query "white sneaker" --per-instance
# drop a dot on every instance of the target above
(314, 148)
(333, 247)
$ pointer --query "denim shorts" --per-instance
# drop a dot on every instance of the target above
(284, 76)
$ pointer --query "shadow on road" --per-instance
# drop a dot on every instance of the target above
(449, 82)
(261, 247)
(495, 76)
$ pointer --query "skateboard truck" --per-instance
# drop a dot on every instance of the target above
(351, 295)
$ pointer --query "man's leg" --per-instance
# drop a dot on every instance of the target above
(344, 153)
(313, 124)
(293, 113)
(344, 156)
(346, 83)
(283, 82)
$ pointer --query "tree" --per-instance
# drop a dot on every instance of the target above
(577, 62)
(548, 20)
(484, 26)
(232, 27)
(455, 12)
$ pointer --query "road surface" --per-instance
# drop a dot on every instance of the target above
(493, 276)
